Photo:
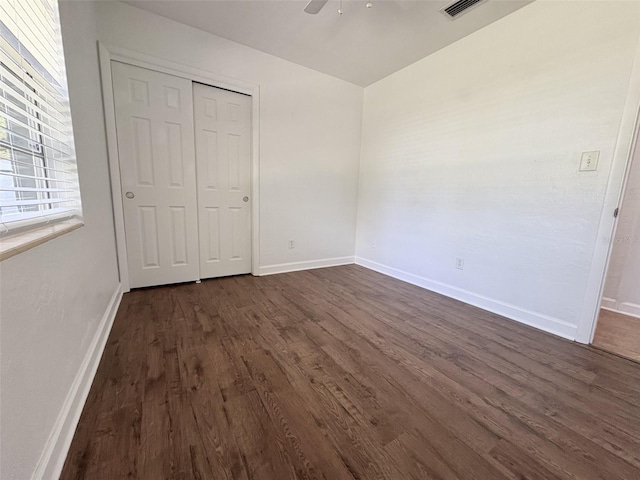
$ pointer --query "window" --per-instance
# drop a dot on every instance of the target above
(38, 175)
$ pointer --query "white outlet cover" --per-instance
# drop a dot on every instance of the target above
(589, 161)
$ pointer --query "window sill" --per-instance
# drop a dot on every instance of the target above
(22, 241)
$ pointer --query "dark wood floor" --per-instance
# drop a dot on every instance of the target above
(343, 373)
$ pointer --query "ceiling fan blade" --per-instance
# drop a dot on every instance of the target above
(314, 6)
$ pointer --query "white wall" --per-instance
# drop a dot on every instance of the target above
(473, 152)
(54, 296)
(622, 288)
(309, 133)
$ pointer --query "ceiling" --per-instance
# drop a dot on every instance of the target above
(361, 46)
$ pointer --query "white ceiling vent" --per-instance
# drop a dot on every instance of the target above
(456, 9)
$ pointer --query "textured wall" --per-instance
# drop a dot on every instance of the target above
(473, 152)
(54, 295)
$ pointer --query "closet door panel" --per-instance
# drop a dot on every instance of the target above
(155, 129)
(223, 159)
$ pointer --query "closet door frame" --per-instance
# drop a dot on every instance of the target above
(107, 53)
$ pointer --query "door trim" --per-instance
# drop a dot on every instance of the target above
(622, 157)
(107, 53)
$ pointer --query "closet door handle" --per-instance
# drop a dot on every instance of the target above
(245, 199)
(129, 195)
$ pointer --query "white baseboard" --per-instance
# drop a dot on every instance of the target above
(55, 452)
(296, 266)
(543, 322)
(626, 308)
(608, 303)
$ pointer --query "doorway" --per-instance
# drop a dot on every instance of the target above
(184, 152)
(618, 325)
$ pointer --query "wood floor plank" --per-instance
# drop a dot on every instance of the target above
(618, 333)
(344, 373)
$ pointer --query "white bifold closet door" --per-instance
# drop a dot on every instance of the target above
(223, 160)
(182, 221)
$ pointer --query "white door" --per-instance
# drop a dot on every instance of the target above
(223, 159)
(154, 122)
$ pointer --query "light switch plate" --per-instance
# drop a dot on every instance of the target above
(589, 161)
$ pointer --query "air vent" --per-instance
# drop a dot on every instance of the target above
(461, 6)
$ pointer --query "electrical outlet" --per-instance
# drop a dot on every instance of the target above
(373, 245)
(460, 263)
(292, 244)
(589, 161)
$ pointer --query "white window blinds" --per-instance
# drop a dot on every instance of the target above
(38, 175)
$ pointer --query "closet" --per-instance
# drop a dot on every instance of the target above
(185, 169)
